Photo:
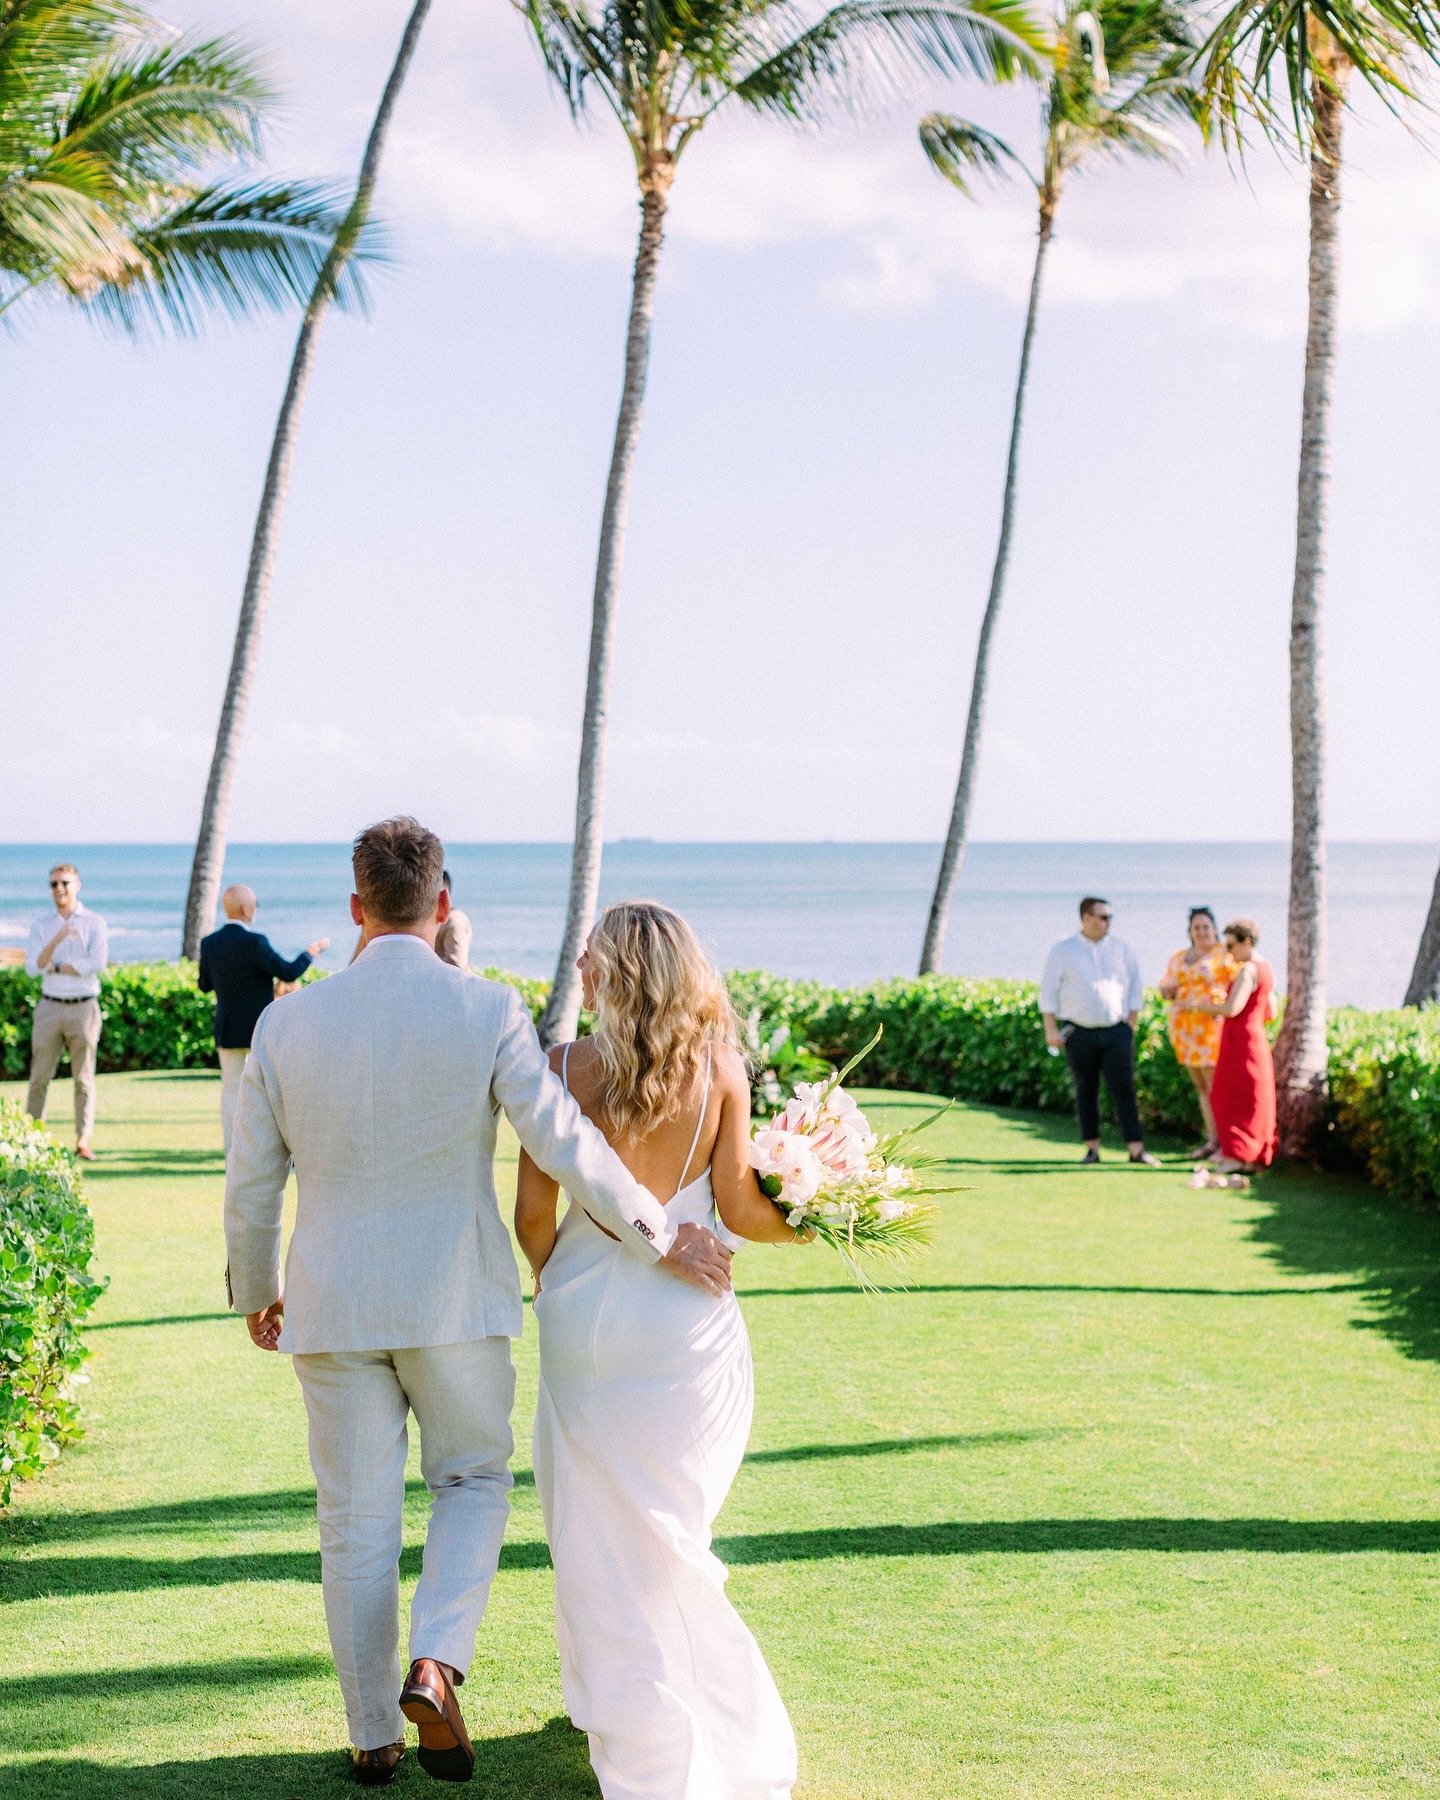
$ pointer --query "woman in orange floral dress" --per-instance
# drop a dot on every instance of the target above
(1195, 978)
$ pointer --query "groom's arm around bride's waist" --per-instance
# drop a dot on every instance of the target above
(563, 1142)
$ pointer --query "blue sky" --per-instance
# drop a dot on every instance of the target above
(815, 500)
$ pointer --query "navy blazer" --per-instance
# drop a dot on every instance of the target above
(240, 967)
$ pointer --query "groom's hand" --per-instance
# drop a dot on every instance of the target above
(264, 1327)
(698, 1256)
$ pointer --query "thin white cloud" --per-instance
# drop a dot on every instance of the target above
(510, 173)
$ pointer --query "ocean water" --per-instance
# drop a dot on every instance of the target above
(837, 912)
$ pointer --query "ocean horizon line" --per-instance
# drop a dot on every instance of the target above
(744, 843)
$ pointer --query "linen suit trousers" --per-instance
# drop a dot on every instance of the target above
(358, 1403)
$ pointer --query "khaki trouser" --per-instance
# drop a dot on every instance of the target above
(232, 1070)
(358, 1403)
(58, 1028)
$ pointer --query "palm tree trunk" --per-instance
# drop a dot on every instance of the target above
(1425, 976)
(956, 837)
(209, 861)
(1301, 1057)
(562, 1010)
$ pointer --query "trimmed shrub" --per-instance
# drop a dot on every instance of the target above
(155, 1018)
(1385, 1097)
(46, 1239)
(973, 1040)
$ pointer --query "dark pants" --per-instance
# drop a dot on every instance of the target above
(1108, 1051)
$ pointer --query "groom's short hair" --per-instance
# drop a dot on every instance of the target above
(398, 868)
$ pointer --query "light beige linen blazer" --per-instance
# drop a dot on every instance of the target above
(382, 1086)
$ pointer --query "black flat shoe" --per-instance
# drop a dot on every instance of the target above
(377, 1768)
(1145, 1159)
(1089, 1159)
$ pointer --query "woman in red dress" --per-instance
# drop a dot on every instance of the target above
(1243, 1095)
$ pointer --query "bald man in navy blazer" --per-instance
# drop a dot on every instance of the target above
(240, 966)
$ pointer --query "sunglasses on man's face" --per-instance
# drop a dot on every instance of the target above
(1104, 918)
(61, 884)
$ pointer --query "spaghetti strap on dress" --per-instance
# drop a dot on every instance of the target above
(646, 1397)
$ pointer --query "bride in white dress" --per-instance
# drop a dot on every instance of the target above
(646, 1390)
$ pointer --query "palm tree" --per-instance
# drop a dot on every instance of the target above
(107, 136)
(1425, 976)
(1116, 89)
(664, 68)
(329, 286)
(1311, 49)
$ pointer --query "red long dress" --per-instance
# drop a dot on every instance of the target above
(1243, 1096)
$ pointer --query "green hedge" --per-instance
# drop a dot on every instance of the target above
(155, 1016)
(46, 1239)
(981, 1040)
(975, 1040)
(1385, 1097)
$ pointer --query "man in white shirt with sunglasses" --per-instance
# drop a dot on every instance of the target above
(68, 948)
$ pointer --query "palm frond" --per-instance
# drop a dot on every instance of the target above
(1257, 62)
(66, 226)
(959, 149)
(864, 49)
(574, 50)
(171, 108)
(1147, 49)
(236, 250)
(46, 49)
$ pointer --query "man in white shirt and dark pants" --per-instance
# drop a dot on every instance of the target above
(67, 949)
(1090, 998)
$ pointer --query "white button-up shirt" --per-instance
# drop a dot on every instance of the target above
(1091, 984)
(85, 946)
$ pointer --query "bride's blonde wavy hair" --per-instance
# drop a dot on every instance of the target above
(658, 1004)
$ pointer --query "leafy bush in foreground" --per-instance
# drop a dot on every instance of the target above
(46, 1239)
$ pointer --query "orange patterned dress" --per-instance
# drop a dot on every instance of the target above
(1196, 1035)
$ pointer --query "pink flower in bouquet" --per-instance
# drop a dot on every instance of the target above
(841, 1150)
(787, 1156)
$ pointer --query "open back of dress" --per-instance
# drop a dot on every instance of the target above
(646, 1397)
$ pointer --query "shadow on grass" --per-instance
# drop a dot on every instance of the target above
(59, 1711)
(51, 1577)
(969, 1440)
(148, 1164)
(151, 1077)
(164, 1319)
(282, 1507)
(1054, 1287)
(548, 1764)
(1322, 1225)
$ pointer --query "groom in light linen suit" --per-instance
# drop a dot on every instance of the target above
(381, 1087)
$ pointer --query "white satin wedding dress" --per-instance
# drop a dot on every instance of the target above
(646, 1396)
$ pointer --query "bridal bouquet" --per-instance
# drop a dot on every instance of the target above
(831, 1176)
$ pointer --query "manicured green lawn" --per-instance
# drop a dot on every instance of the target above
(1133, 1494)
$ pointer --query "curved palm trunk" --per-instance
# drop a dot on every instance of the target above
(562, 1010)
(1425, 976)
(1301, 1059)
(205, 871)
(953, 854)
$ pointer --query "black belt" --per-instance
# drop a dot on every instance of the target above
(68, 999)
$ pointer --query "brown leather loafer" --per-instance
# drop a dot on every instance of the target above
(428, 1701)
(377, 1768)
